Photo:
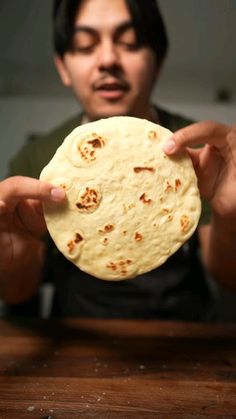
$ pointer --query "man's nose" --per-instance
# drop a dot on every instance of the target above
(108, 56)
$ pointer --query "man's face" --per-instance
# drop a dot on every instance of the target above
(107, 70)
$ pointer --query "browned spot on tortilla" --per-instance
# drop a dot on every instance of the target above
(169, 187)
(86, 154)
(177, 184)
(128, 207)
(121, 262)
(62, 185)
(97, 142)
(88, 200)
(106, 229)
(120, 265)
(152, 135)
(71, 246)
(112, 266)
(78, 238)
(138, 236)
(144, 199)
(143, 169)
(165, 211)
(87, 148)
(72, 243)
(184, 223)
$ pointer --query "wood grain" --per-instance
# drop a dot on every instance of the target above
(78, 368)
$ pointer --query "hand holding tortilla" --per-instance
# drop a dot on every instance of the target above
(129, 206)
(215, 164)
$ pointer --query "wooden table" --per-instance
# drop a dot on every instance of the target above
(116, 369)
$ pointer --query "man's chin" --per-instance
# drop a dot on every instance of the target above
(109, 113)
(108, 109)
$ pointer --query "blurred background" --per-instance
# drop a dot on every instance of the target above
(198, 79)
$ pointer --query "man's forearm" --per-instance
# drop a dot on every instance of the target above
(219, 252)
(19, 283)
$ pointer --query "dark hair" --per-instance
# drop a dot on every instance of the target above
(148, 23)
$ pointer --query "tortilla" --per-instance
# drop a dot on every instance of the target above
(129, 207)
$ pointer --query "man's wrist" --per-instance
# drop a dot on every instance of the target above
(224, 225)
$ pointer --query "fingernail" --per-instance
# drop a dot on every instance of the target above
(57, 194)
(169, 146)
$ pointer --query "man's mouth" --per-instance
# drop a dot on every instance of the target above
(112, 90)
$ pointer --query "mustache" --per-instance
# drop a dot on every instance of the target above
(110, 78)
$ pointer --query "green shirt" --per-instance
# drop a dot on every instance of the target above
(178, 289)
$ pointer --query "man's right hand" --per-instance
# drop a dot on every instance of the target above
(21, 217)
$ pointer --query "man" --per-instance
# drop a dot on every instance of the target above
(110, 52)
